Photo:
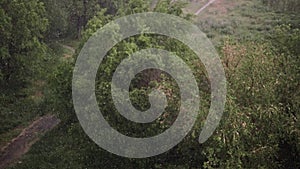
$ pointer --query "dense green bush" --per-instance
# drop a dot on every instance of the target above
(22, 26)
(256, 130)
(284, 5)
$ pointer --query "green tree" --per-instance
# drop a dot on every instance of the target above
(80, 11)
(22, 26)
(57, 14)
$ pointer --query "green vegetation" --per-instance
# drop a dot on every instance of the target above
(22, 57)
(258, 42)
(284, 5)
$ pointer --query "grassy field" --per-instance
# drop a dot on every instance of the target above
(239, 19)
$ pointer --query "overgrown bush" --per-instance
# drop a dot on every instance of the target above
(260, 127)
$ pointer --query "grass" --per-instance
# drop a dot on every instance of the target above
(242, 20)
(8, 136)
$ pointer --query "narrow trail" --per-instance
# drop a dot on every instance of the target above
(204, 7)
(31, 134)
(155, 2)
(69, 48)
(22, 143)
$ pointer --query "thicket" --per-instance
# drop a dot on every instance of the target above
(284, 5)
(24, 60)
(260, 127)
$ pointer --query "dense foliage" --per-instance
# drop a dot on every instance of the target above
(284, 5)
(260, 124)
(260, 127)
(22, 26)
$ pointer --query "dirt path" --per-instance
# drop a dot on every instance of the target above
(205, 6)
(69, 54)
(21, 144)
(153, 4)
(69, 48)
(215, 8)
